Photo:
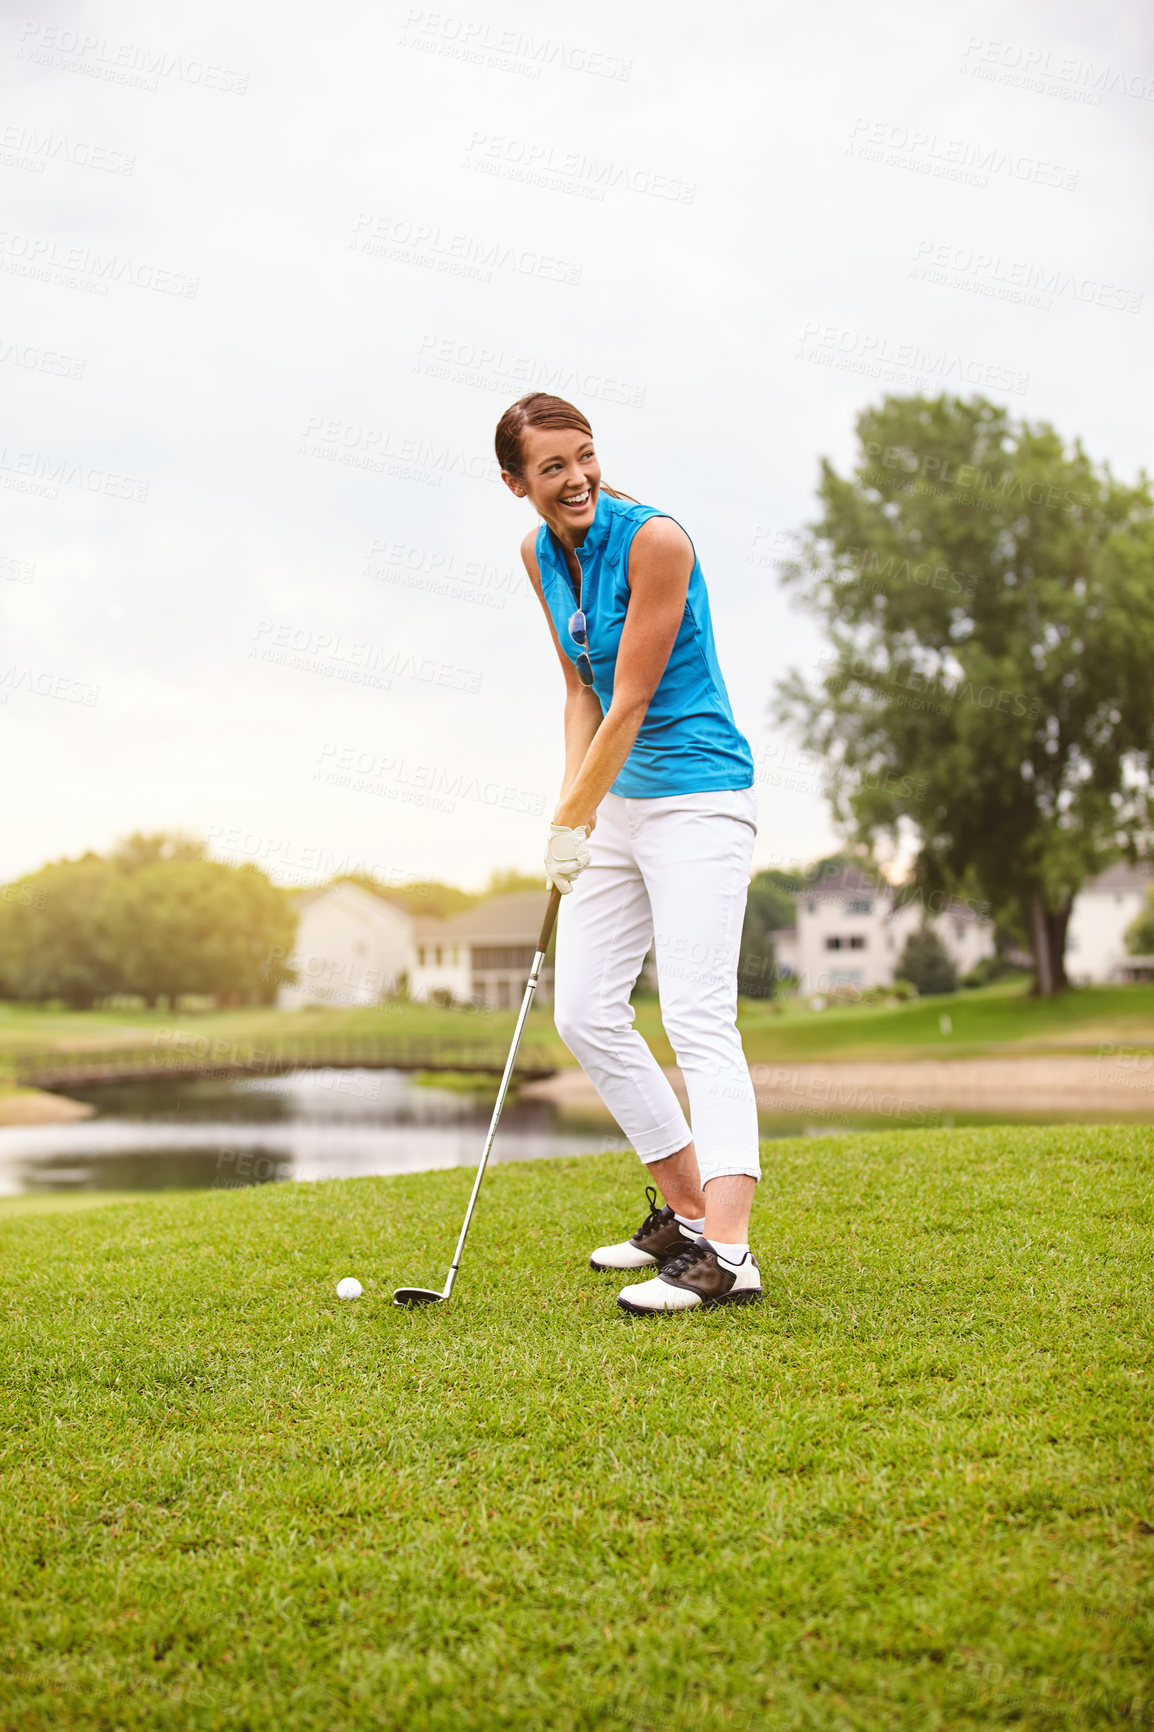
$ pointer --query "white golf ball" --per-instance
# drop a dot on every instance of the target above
(349, 1288)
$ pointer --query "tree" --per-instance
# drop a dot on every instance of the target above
(133, 852)
(419, 896)
(198, 926)
(769, 908)
(53, 940)
(503, 882)
(986, 596)
(926, 964)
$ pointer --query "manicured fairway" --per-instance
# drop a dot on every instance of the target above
(1000, 1019)
(913, 1489)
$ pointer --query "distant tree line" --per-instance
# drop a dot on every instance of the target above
(153, 919)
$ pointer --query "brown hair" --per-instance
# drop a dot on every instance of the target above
(539, 409)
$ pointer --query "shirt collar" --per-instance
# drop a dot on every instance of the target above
(598, 532)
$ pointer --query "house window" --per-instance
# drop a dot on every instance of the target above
(857, 943)
(454, 956)
(503, 956)
(502, 995)
(437, 955)
(420, 956)
(859, 907)
(811, 907)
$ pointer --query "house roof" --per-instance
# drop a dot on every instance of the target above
(850, 879)
(301, 898)
(1123, 876)
(909, 896)
(512, 919)
(893, 899)
(365, 903)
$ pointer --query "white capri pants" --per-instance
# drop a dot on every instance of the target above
(672, 871)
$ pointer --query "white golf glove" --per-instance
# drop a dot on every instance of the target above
(566, 854)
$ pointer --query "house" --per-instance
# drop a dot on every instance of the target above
(852, 928)
(786, 955)
(1096, 936)
(351, 948)
(440, 972)
(483, 955)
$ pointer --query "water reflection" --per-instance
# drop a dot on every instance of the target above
(321, 1124)
(324, 1124)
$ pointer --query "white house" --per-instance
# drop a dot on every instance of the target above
(1103, 909)
(852, 928)
(482, 956)
(440, 971)
(351, 948)
(786, 955)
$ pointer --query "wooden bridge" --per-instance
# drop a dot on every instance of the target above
(187, 1055)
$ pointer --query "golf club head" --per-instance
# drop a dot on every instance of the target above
(411, 1296)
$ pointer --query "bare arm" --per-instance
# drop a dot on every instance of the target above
(582, 720)
(582, 708)
(660, 566)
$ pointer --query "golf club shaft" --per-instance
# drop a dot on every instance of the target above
(530, 989)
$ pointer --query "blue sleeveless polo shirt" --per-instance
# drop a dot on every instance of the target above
(688, 742)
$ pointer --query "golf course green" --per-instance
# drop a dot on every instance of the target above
(911, 1489)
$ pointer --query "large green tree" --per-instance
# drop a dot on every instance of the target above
(985, 592)
(153, 918)
(52, 938)
(198, 926)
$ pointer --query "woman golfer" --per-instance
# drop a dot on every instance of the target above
(654, 760)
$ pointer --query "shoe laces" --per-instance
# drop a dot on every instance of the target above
(656, 1210)
(687, 1259)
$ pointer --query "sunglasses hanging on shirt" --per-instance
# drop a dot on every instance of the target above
(579, 632)
(580, 635)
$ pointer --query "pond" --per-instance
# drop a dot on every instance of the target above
(192, 1134)
(197, 1134)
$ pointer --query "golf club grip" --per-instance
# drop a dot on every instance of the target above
(550, 917)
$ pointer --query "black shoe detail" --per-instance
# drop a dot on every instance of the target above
(660, 1235)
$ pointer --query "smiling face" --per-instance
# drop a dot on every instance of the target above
(561, 477)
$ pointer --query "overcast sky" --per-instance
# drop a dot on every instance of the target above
(271, 274)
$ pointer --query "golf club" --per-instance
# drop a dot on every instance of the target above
(412, 1296)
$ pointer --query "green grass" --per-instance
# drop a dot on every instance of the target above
(911, 1490)
(1000, 1019)
(68, 1201)
(26, 1026)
